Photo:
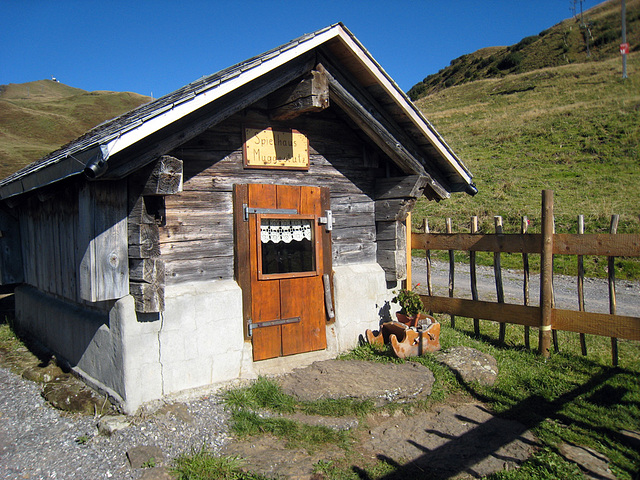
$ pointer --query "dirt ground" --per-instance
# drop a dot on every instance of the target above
(459, 439)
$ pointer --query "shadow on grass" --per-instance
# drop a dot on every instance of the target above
(480, 442)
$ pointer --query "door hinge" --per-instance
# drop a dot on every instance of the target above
(327, 220)
(246, 210)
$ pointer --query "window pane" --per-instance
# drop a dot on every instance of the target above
(287, 246)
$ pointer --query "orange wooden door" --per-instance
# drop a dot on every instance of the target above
(286, 259)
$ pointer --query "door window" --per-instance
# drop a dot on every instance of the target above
(287, 246)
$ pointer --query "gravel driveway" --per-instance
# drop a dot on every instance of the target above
(40, 442)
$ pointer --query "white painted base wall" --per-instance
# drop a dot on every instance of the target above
(196, 343)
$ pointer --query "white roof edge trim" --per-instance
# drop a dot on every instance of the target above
(392, 89)
(207, 96)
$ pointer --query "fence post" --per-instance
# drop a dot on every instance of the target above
(473, 275)
(409, 230)
(452, 266)
(611, 267)
(524, 227)
(546, 273)
(497, 272)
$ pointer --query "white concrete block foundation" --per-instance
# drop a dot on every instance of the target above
(196, 343)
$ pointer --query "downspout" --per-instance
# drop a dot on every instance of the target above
(97, 166)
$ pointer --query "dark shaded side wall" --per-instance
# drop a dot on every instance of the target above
(196, 241)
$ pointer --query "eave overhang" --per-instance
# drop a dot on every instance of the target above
(92, 151)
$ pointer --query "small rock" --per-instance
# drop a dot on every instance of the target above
(109, 424)
(472, 365)
(178, 410)
(593, 464)
(43, 374)
(145, 456)
(632, 438)
(380, 382)
(159, 473)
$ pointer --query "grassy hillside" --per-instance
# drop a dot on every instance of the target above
(574, 129)
(594, 37)
(39, 117)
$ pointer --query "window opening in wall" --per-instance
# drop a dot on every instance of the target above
(286, 246)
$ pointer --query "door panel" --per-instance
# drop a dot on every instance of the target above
(294, 295)
(265, 304)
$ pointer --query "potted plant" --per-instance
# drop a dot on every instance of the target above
(412, 308)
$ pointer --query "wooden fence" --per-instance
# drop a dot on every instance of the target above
(548, 243)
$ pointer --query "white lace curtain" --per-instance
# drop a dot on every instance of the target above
(277, 231)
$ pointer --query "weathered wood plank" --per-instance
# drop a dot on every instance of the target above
(508, 243)
(11, 266)
(410, 186)
(353, 253)
(504, 312)
(104, 266)
(200, 269)
(619, 245)
(210, 229)
(394, 209)
(602, 324)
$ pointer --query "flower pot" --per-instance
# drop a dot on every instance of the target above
(410, 321)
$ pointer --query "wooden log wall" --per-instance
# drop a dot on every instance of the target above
(196, 241)
(147, 190)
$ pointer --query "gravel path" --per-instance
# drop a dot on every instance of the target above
(40, 442)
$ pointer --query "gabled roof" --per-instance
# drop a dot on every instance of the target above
(97, 146)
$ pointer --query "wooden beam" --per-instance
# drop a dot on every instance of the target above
(507, 243)
(380, 132)
(602, 324)
(147, 270)
(165, 178)
(498, 312)
(622, 245)
(410, 186)
(148, 297)
(393, 209)
(311, 94)
(619, 245)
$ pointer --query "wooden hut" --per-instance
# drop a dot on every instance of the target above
(247, 223)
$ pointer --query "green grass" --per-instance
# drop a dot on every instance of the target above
(575, 130)
(37, 118)
(559, 45)
(204, 465)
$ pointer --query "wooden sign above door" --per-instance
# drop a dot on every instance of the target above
(279, 149)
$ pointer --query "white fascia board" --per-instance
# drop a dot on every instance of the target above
(209, 95)
(400, 99)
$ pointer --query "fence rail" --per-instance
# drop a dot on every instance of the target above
(545, 316)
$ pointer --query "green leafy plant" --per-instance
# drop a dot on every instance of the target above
(409, 301)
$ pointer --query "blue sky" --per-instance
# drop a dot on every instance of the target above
(155, 47)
